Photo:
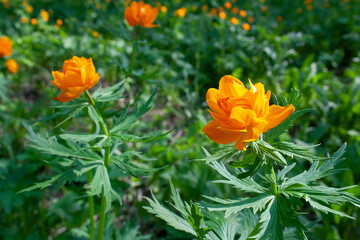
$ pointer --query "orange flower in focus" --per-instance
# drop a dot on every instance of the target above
(163, 9)
(246, 26)
(33, 21)
(234, 21)
(141, 14)
(243, 13)
(11, 66)
(227, 5)
(45, 15)
(5, 47)
(222, 15)
(241, 115)
(181, 12)
(251, 19)
(78, 75)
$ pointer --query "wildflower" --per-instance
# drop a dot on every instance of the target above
(5, 47)
(251, 19)
(141, 14)
(95, 34)
(227, 5)
(204, 8)
(24, 19)
(242, 13)
(181, 12)
(7, 4)
(264, 8)
(29, 9)
(33, 21)
(45, 15)
(213, 11)
(234, 21)
(246, 26)
(11, 66)
(279, 18)
(59, 22)
(222, 15)
(163, 9)
(241, 115)
(78, 75)
(235, 10)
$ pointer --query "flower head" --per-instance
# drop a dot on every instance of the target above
(234, 21)
(78, 75)
(11, 66)
(181, 12)
(241, 115)
(5, 47)
(141, 14)
(45, 15)
(246, 26)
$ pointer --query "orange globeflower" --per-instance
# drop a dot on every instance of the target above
(264, 8)
(251, 19)
(11, 66)
(45, 15)
(235, 10)
(5, 47)
(78, 75)
(243, 13)
(246, 26)
(59, 22)
(33, 21)
(29, 9)
(234, 21)
(163, 9)
(181, 12)
(227, 5)
(141, 14)
(222, 15)
(95, 34)
(204, 8)
(279, 18)
(213, 11)
(241, 115)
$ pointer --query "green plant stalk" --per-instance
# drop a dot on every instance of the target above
(134, 47)
(91, 209)
(273, 186)
(100, 232)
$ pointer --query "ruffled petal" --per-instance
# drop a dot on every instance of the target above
(219, 134)
(241, 118)
(58, 80)
(276, 115)
(70, 94)
(232, 87)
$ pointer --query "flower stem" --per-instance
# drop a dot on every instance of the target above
(91, 209)
(100, 232)
(273, 185)
(134, 47)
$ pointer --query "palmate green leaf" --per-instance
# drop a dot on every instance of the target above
(101, 183)
(126, 119)
(152, 136)
(221, 155)
(72, 114)
(234, 206)
(195, 218)
(316, 172)
(169, 217)
(51, 146)
(297, 151)
(109, 94)
(72, 172)
(224, 228)
(246, 184)
(262, 147)
(282, 127)
(95, 118)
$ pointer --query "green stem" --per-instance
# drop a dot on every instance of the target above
(134, 47)
(91, 209)
(100, 232)
(273, 185)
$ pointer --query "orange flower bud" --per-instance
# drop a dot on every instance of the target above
(246, 26)
(5, 47)
(241, 115)
(141, 14)
(181, 12)
(11, 66)
(78, 75)
(234, 21)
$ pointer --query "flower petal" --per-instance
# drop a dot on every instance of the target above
(58, 80)
(276, 115)
(241, 118)
(70, 93)
(232, 87)
(219, 134)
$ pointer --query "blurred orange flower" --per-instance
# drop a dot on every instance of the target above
(264, 8)
(243, 13)
(246, 26)
(227, 5)
(241, 115)
(213, 11)
(234, 21)
(279, 18)
(141, 14)
(59, 22)
(181, 12)
(29, 9)
(299, 10)
(24, 19)
(204, 8)
(78, 75)
(95, 34)
(33, 21)
(45, 15)
(5, 47)
(222, 15)
(251, 19)
(235, 10)
(11, 66)
(163, 9)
